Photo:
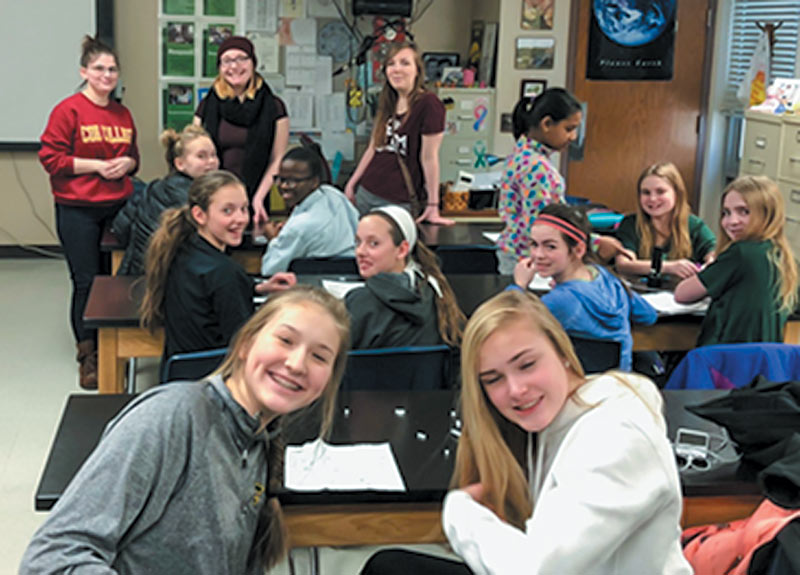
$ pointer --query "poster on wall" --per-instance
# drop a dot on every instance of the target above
(631, 40)
(178, 105)
(178, 49)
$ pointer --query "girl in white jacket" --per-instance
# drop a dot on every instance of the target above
(597, 491)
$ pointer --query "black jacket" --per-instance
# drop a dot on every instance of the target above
(387, 312)
(139, 218)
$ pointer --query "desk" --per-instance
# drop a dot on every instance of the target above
(366, 518)
(113, 304)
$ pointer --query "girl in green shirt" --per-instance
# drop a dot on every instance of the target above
(753, 281)
(663, 220)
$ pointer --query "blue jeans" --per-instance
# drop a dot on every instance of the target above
(80, 229)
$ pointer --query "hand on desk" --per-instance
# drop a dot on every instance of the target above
(278, 282)
(431, 215)
(682, 268)
(608, 248)
(272, 229)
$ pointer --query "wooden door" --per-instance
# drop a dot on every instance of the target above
(632, 124)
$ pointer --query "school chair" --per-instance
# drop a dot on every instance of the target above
(421, 368)
(467, 259)
(727, 366)
(344, 265)
(193, 365)
(596, 355)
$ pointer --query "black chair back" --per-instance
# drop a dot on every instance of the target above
(192, 366)
(597, 355)
(467, 259)
(400, 368)
(333, 265)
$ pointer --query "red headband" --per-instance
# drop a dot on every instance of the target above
(561, 225)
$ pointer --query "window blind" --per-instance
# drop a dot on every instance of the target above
(744, 35)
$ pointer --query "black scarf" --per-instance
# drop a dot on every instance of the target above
(258, 116)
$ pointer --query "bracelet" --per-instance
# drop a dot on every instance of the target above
(433, 203)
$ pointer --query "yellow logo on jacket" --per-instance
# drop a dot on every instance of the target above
(111, 134)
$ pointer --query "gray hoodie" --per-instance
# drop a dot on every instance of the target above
(175, 486)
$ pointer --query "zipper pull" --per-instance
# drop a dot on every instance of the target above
(244, 458)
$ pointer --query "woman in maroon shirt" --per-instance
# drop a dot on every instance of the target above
(89, 150)
(247, 122)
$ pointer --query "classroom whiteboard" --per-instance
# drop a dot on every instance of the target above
(40, 46)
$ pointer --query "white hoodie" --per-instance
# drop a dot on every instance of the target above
(606, 492)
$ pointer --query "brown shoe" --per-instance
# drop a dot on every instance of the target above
(87, 357)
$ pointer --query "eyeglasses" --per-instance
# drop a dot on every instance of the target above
(290, 181)
(232, 61)
(102, 70)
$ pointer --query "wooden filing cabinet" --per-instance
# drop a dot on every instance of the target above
(468, 132)
(772, 148)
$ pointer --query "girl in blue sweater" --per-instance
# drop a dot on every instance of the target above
(587, 299)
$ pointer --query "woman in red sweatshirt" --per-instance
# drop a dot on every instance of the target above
(89, 150)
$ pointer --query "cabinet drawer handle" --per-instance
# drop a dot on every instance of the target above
(794, 196)
(462, 117)
(755, 161)
(797, 136)
(794, 160)
(761, 143)
(464, 162)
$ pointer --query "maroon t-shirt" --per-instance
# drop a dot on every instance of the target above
(232, 139)
(383, 176)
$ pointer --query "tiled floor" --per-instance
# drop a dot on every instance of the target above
(37, 356)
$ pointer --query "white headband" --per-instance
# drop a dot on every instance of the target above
(404, 221)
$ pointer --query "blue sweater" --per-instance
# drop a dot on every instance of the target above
(600, 309)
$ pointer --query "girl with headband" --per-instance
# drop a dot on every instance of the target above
(587, 299)
(406, 299)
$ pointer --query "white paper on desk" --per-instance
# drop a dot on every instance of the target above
(317, 465)
(304, 32)
(665, 304)
(330, 111)
(343, 142)
(487, 180)
(338, 288)
(492, 236)
(300, 108)
(262, 15)
(538, 283)
(266, 47)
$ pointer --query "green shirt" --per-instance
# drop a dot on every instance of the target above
(743, 285)
(701, 236)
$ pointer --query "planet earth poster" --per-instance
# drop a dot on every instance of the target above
(631, 40)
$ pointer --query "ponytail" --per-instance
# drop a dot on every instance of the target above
(177, 226)
(450, 318)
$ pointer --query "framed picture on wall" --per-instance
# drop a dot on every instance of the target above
(537, 15)
(435, 62)
(531, 88)
(534, 53)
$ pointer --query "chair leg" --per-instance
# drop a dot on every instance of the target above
(130, 386)
(314, 553)
(290, 562)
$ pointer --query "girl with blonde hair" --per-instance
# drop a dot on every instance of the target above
(189, 155)
(555, 472)
(181, 481)
(663, 220)
(753, 281)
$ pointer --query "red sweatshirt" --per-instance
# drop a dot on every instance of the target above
(79, 128)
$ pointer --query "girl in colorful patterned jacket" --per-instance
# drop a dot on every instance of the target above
(542, 126)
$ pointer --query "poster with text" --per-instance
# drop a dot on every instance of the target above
(178, 105)
(178, 49)
(631, 40)
(212, 38)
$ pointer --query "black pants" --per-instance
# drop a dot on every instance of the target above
(402, 562)
(80, 229)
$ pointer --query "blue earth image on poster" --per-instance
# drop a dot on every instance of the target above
(633, 22)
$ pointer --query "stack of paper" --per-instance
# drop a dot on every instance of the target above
(317, 465)
(339, 289)
(665, 304)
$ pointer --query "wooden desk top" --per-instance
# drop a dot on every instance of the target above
(425, 461)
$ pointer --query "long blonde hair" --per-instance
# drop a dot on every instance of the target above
(681, 243)
(387, 101)
(270, 542)
(767, 222)
(176, 227)
(485, 452)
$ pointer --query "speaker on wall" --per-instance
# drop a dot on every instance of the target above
(382, 7)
